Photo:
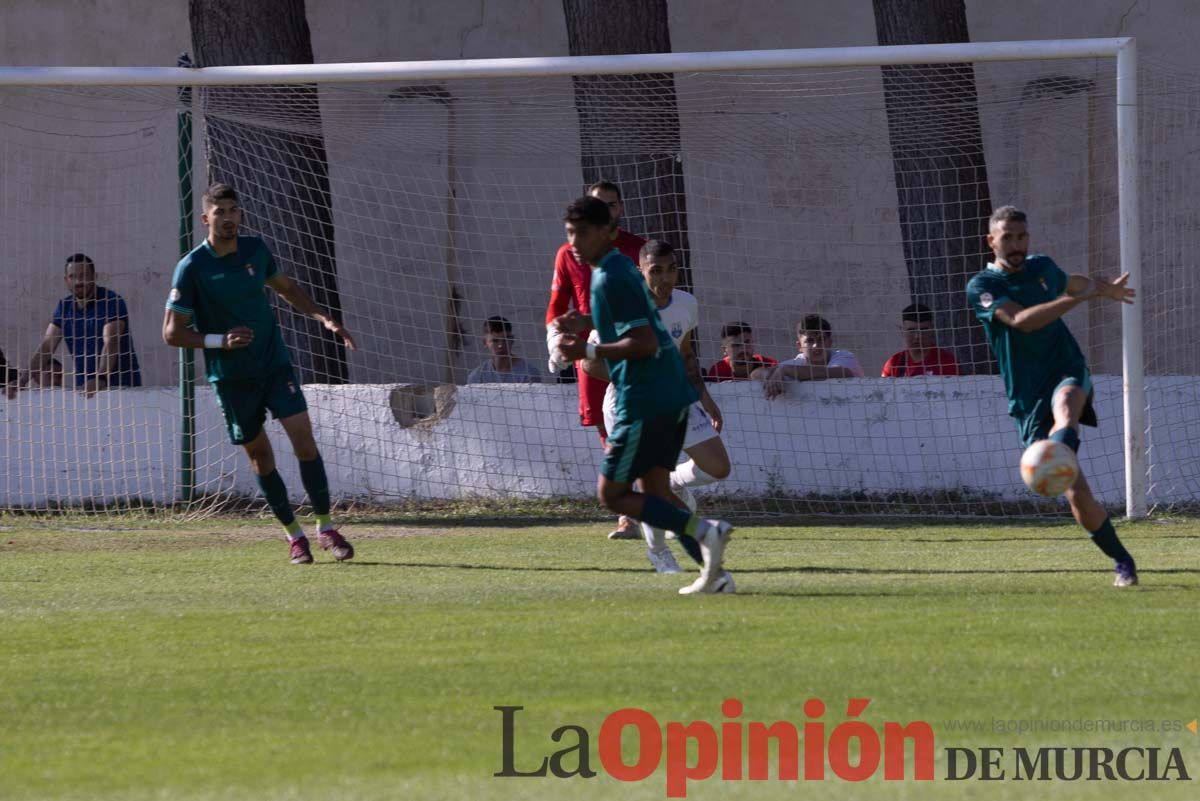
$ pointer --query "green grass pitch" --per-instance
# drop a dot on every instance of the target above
(193, 662)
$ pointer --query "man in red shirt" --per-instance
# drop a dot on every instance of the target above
(572, 286)
(737, 345)
(921, 355)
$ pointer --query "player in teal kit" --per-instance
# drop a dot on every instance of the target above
(653, 394)
(1020, 300)
(217, 303)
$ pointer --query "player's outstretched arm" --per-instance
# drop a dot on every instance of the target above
(1025, 320)
(1087, 288)
(1080, 289)
(299, 300)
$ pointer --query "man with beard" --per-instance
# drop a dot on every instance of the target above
(94, 322)
(1020, 301)
(217, 303)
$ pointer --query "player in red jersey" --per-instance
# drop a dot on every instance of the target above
(572, 286)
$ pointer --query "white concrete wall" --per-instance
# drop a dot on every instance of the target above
(871, 436)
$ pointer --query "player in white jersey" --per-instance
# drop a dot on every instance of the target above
(708, 461)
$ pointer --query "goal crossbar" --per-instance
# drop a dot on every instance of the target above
(953, 53)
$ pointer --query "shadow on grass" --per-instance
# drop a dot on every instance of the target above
(871, 571)
(1067, 535)
(801, 570)
(501, 568)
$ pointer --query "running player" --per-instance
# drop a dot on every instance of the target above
(653, 394)
(708, 460)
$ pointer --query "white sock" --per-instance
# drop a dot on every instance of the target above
(689, 475)
(656, 538)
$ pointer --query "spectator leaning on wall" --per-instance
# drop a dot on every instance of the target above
(816, 361)
(740, 362)
(94, 323)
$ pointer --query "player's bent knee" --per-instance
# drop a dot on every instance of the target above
(1070, 397)
(721, 469)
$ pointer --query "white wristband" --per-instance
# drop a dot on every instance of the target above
(591, 350)
(214, 341)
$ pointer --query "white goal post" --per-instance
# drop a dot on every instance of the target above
(59, 84)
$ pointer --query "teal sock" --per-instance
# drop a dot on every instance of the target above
(1067, 436)
(691, 546)
(664, 515)
(277, 497)
(667, 516)
(316, 484)
(1106, 540)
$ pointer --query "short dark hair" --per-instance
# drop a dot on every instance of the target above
(497, 325)
(656, 248)
(219, 192)
(1006, 214)
(79, 258)
(916, 313)
(604, 185)
(588, 210)
(730, 330)
(815, 323)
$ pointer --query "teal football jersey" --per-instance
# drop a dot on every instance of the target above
(223, 292)
(1031, 363)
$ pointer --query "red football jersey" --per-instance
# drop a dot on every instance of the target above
(723, 370)
(572, 286)
(573, 279)
(937, 362)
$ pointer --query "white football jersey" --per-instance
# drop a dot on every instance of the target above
(681, 315)
(837, 358)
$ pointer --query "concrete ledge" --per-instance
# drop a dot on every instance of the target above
(404, 442)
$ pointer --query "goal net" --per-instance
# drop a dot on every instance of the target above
(419, 207)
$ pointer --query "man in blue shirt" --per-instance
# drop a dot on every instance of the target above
(94, 323)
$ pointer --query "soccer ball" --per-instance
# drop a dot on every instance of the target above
(1049, 468)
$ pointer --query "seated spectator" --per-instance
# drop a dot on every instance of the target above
(921, 355)
(94, 323)
(816, 361)
(502, 367)
(737, 346)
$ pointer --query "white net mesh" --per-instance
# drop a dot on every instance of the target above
(420, 211)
